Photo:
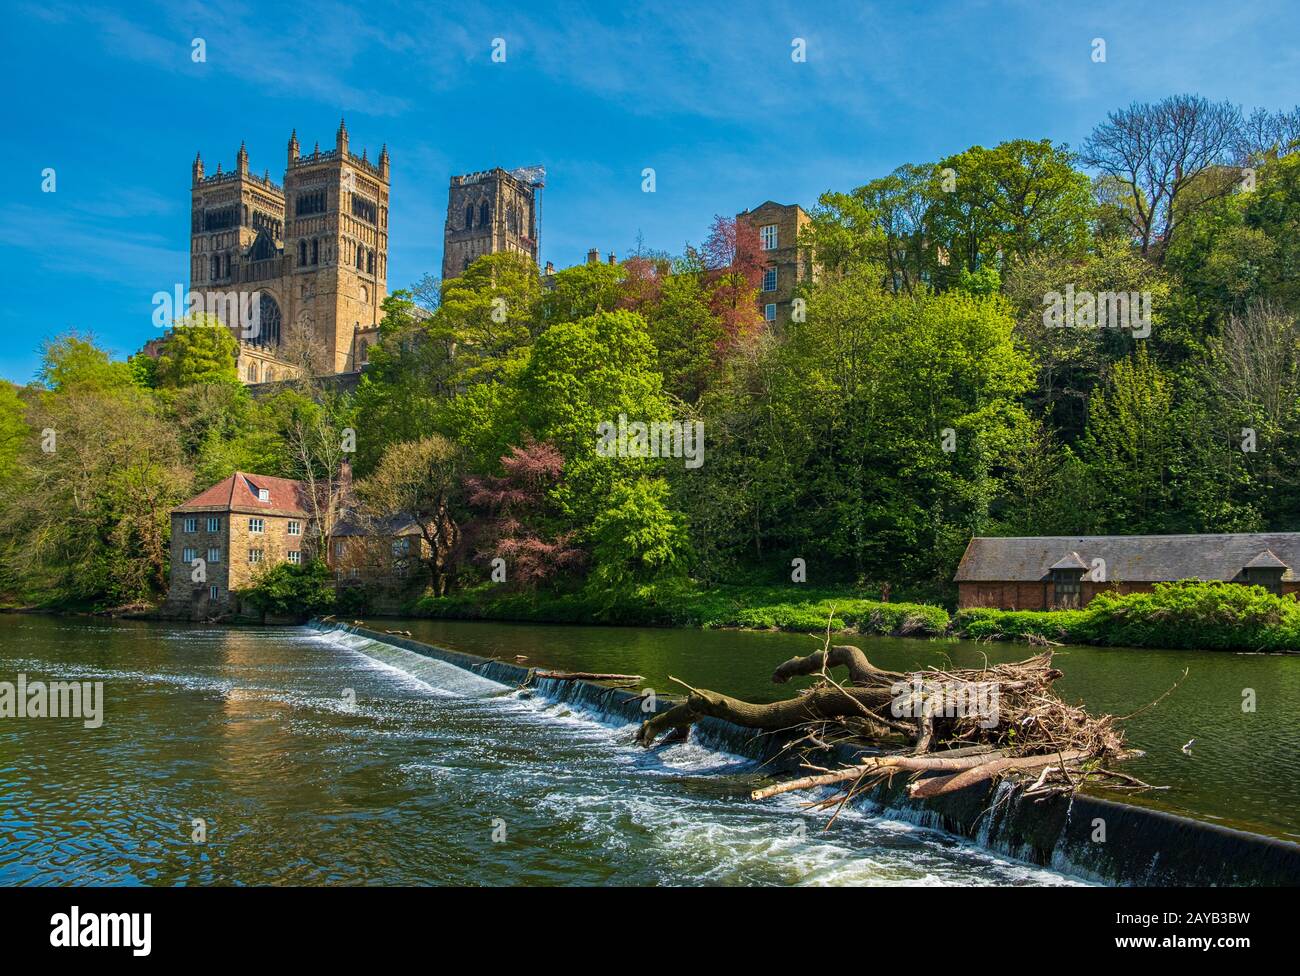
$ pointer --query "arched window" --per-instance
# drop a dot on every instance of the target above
(484, 214)
(363, 351)
(469, 216)
(315, 251)
(268, 323)
(302, 253)
(252, 372)
(361, 253)
(370, 263)
(215, 267)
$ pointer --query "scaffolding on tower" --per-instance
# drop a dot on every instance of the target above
(534, 177)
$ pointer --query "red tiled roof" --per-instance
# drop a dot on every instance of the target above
(239, 493)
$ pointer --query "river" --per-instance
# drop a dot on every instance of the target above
(329, 759)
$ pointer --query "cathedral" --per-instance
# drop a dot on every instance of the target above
(313, 252)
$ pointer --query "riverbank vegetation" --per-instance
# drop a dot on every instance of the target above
(1216, 616)
(917, 395)
(684, 604)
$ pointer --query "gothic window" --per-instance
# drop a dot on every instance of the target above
(361, 254)
(370, 263)
(215, 270)
(302, 253)
(268, 325)
(363, 351)
(469, 216)
(484, 214)
(311, 203)
(363, 209)
(315, 251)
(512, 220)
(227, 262)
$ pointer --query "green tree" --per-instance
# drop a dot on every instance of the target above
(199, 351)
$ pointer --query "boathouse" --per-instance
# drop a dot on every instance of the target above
(1066, 572)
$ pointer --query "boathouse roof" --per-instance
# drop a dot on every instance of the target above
(1130, 558)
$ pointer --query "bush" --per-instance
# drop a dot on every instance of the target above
(1189, 614)
(287, 590)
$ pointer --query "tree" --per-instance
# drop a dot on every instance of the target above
(200, 351)
(84, 516)
(733, 262)
(519, 524)
(74, 359)
(415, 482)
(1018, 198)
(1172, 158)
(637, 538)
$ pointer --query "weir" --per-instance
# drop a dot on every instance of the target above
(1090, 837)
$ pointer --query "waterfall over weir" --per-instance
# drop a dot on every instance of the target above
(1089, 837)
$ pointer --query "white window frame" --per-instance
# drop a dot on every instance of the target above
(768, 236)
(256, 526)
(214, 592)
(295, 528)
(191, 526)
(295, 557)
(769, 311)
(214, 554)
(214, 524)
(338, 547)
(255, 556)
(189, 554)
(772, 272)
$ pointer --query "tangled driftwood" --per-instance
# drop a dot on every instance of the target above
(947, 729)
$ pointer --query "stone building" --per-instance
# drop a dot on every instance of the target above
(314, 253)
(1066, 572)
(223, 536)
(788, 265)
(491, 212)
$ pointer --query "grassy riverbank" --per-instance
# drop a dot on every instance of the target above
(1209, 616)
(686, 605)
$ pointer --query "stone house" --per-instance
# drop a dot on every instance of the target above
(1066, 572)
(223, 536)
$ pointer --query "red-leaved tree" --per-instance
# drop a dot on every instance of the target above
(514, 509)
(734, 263)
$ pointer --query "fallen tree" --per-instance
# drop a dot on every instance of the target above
(945, 729)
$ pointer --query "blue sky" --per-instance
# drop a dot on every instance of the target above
(107, 95)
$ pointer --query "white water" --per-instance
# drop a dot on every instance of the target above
(680, 814)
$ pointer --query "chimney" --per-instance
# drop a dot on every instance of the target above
(345, 480)
(593, 256)
(612, 259)
(550, 268)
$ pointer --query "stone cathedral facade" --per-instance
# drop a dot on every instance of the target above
(314, 252)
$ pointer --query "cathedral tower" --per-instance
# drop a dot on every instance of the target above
(315, 251)
(491, 212)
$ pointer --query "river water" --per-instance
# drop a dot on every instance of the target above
(309, 758)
